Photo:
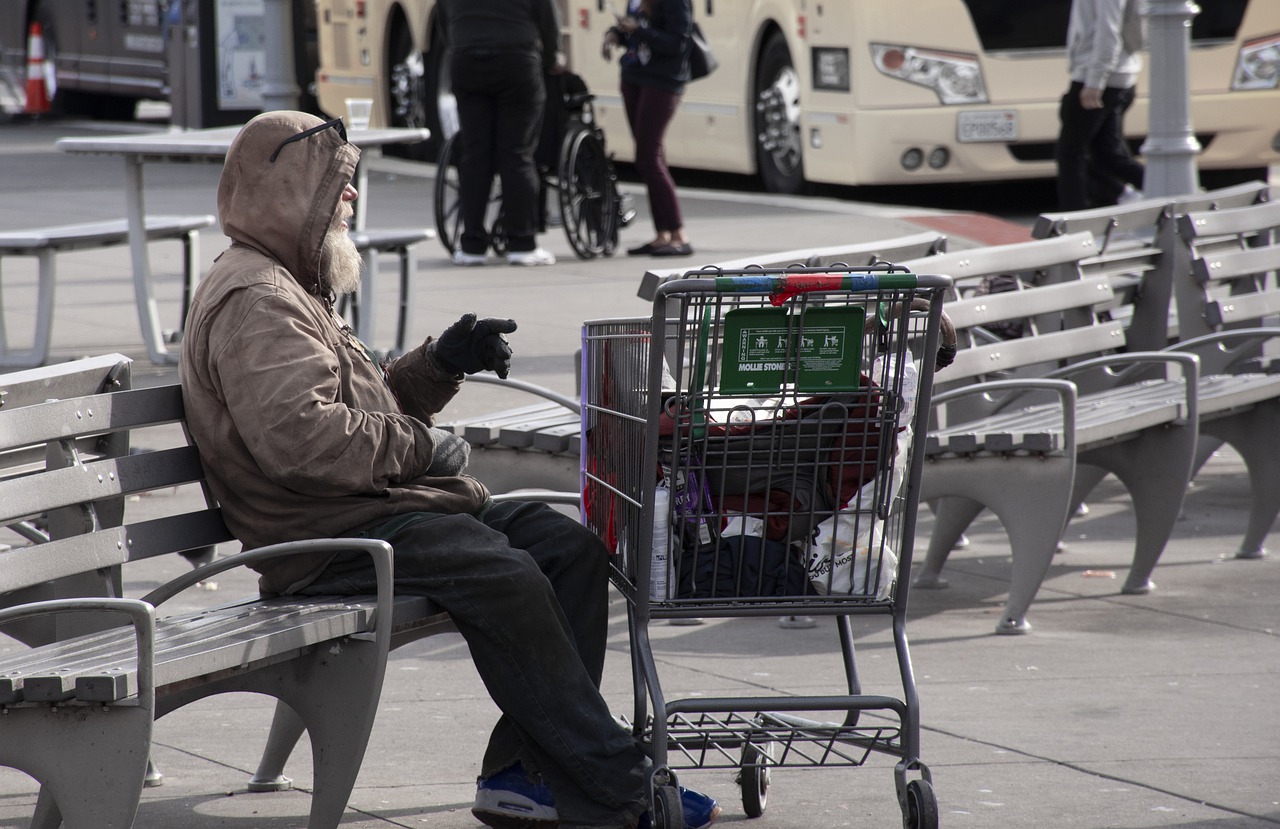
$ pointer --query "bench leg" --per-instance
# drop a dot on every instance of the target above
(286, 729)
(90, 762)
(334, 691)
(1252, 435)
(1030, 497)
(1155, 468)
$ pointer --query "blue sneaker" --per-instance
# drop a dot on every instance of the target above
(700, 810)
(514, 799)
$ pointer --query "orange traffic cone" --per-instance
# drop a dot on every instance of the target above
(37, 89)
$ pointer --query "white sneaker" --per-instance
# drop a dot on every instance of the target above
(461, 257)
(1131, 194)
(537, 256)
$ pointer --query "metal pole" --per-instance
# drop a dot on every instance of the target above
(1171, 146)
(278, 88)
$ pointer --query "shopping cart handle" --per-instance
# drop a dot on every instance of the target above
(783, 287)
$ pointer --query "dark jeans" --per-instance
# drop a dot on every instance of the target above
(527, 587)
(649, 112)
(1091, 151)
(500, 103)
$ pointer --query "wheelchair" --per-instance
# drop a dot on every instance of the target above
(574, 167)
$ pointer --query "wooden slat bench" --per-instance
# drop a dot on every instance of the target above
(78, 707)
(1017, 420)
(46, 243)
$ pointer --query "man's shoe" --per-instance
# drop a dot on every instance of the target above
(513, 799)
(461, 257)
(537, 256)
(700, 810)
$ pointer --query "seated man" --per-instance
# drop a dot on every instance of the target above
(304, 435)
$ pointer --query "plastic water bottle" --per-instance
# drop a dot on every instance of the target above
(661, 565)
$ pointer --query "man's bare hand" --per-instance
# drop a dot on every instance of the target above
(1091, 98)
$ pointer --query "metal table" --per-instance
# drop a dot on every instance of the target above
(210, 145)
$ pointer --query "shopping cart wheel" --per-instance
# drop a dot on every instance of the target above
(754, 780)
(921, 809)
(668, 809)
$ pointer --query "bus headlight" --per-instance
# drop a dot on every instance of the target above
(1259, 64)
(955, 78)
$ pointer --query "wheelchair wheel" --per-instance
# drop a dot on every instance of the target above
(448, 203)
(588, 196)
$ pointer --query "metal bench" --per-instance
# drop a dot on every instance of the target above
(1228, 305)
(911, 246)
(45, 243)
(78, 706)
(1203, 267)
(1138, 247)
(1020, 423)
(535, 446)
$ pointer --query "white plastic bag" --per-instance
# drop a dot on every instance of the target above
(845, 543)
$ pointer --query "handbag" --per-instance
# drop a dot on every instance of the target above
(702, 61)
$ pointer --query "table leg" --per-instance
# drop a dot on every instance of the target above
(148, 315)
(369, 274)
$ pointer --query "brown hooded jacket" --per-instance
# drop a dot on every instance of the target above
(300, 434)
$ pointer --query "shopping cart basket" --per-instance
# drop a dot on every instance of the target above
(748, 452)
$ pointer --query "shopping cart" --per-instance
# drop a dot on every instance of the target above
(748, 452)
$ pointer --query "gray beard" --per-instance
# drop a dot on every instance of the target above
(343, 261)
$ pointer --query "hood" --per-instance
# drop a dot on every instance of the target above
(283, 208)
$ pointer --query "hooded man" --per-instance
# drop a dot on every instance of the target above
(304, 435)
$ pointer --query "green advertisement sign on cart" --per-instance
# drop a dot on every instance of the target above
(767, 348)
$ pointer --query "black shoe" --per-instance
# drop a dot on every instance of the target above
(679, 249)
(643, 250)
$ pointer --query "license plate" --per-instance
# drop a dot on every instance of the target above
(987, 125)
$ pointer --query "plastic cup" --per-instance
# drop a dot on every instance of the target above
(358, 112)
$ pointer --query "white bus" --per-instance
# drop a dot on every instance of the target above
(846, 91)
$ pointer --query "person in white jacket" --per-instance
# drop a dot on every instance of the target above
(1095, 167)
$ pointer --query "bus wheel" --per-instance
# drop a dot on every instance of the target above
(777, 119)
(405, 86)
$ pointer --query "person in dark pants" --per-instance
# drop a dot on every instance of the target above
(501, 51)
(303, 435)
(657, 37)
(1095, 167)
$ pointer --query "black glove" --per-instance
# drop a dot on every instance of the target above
(450, 456)
(468, 346)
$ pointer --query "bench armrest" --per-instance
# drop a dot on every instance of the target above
(1189, 364)
(1226, 346)
(378, 549)
(1065, 390)
(532, 388)
(141, 613)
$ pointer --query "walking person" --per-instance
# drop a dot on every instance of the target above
(1103, 41)
(303, 435)
(656, 36)
(501, 51)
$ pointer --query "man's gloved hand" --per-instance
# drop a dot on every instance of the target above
(468, 346)
(450, 455)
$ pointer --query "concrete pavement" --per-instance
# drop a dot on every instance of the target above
(1115, 711)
